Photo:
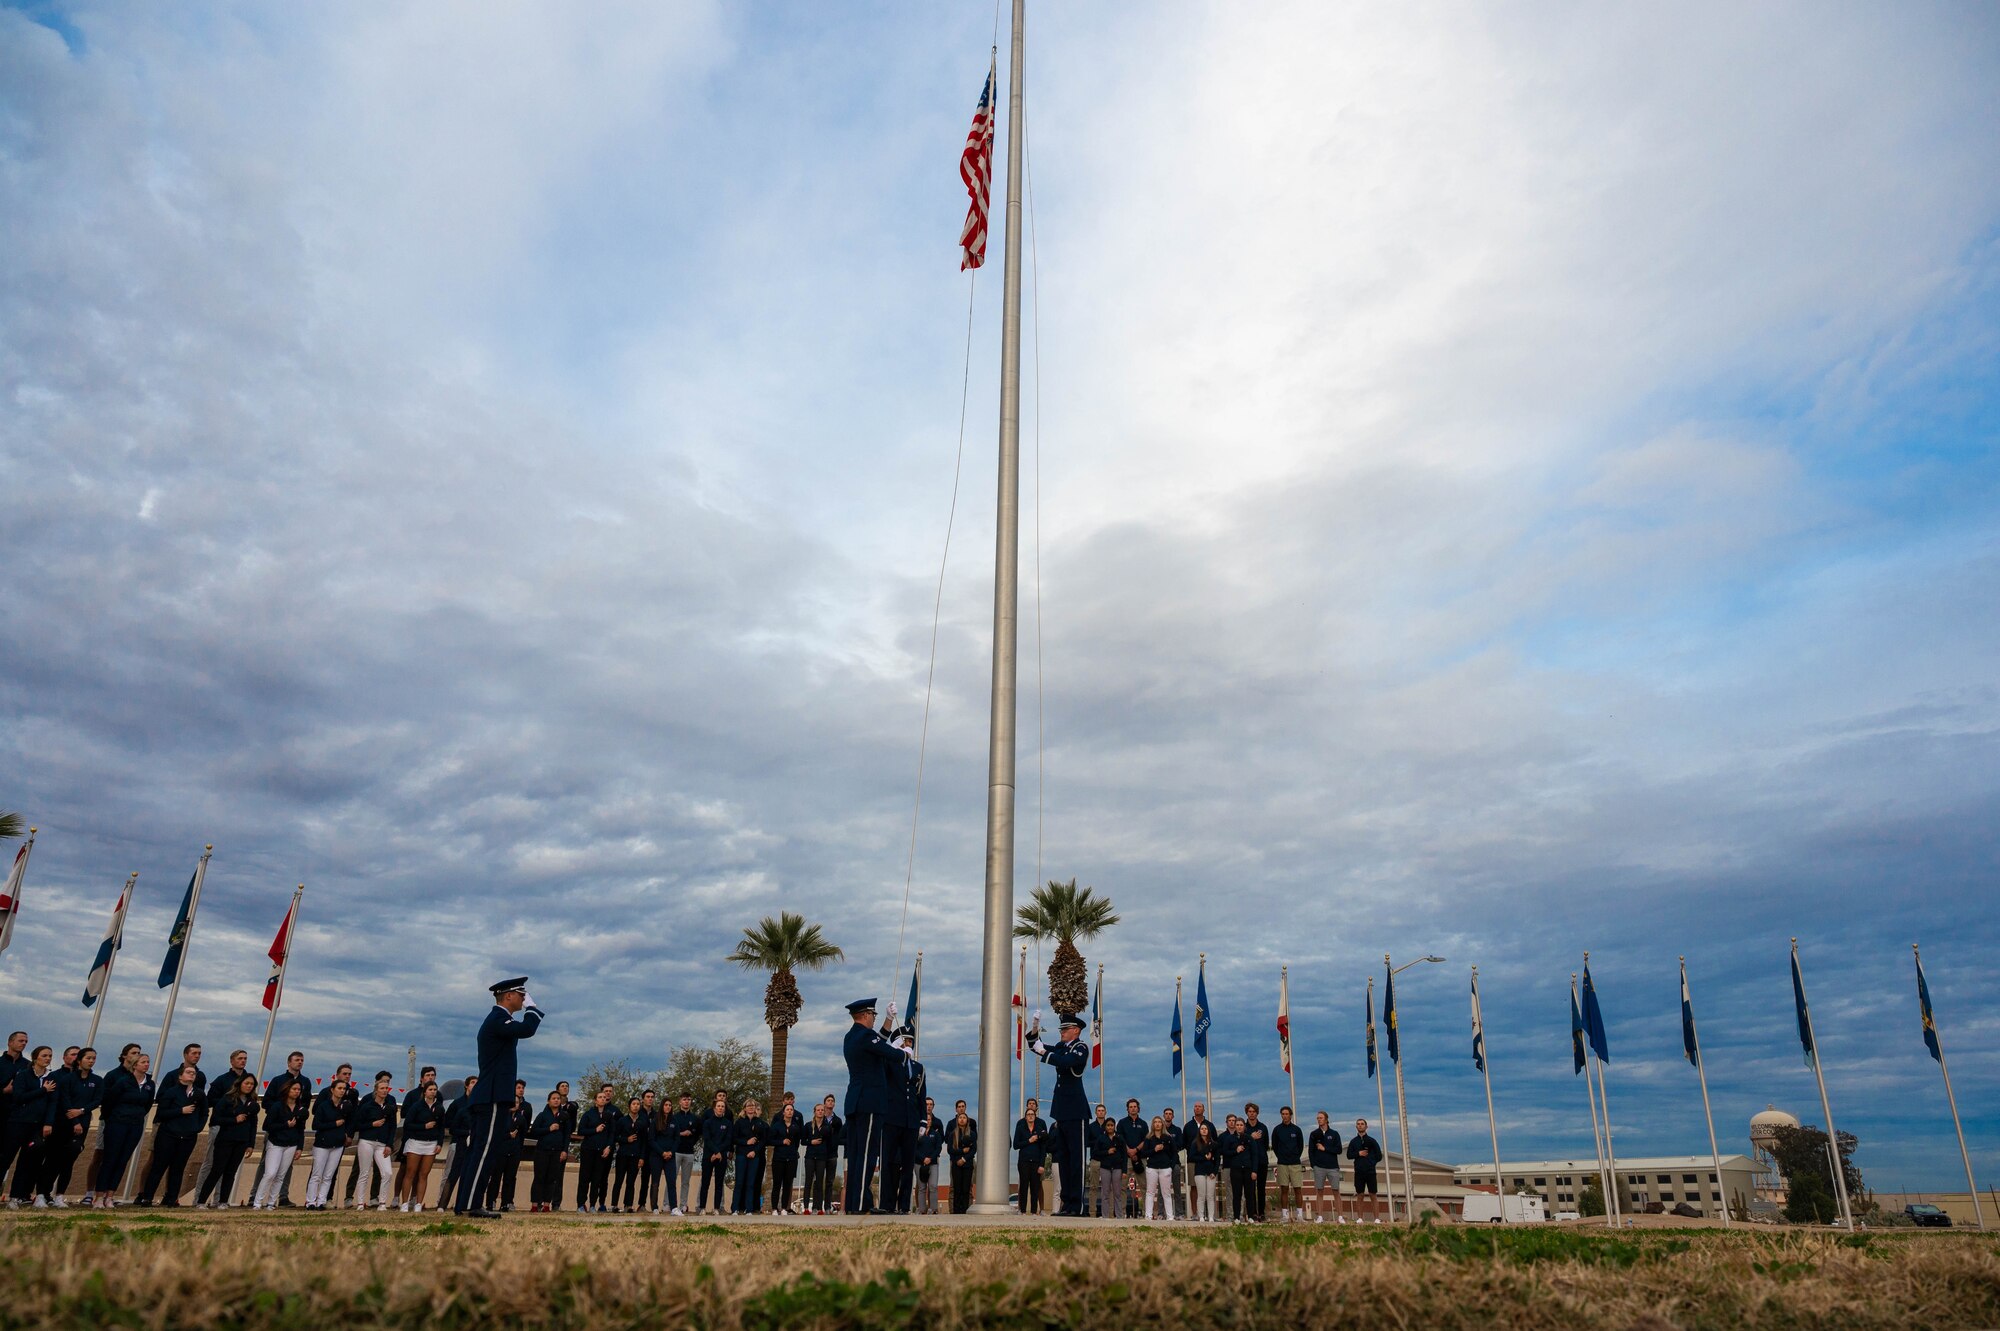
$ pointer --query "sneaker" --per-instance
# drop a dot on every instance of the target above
(404, 1207)
(222, 1206)
(676, 1211)
(41, 1203)
(418, 1208)
(60, 1203)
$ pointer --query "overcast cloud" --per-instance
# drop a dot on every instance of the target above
(1511, 482)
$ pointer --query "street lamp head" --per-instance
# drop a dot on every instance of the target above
(1431, 959)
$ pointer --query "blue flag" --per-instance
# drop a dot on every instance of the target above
(1688, 1043)
(1930, 1026)
(1389, 1015)
(1576, 1050)
(1174, 1035)
(1799, 1001)
(910, 1009)
(177, 940)
(1371, 1030)
(1593, 1018)
(1201, 1012)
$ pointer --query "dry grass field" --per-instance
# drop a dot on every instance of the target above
(150, 1270)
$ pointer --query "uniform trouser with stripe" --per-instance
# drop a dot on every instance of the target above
(899, 1152)
(1069, 1164)
(864, 1152)
(479, 1155)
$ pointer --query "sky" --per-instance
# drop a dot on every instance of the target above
(1498, 484)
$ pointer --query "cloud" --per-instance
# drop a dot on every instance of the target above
(1506, 486)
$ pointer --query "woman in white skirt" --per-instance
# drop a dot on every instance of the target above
(1204, 1154)
(423, 1129)
(329, 1119)
(284, 1134)
(1158, 1154)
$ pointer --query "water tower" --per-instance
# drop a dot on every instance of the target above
(1770, 1184)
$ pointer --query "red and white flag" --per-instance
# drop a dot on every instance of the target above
(1020, 1022)
(975, 168)
(1284, 1023)
(281, 948)
(10, 893)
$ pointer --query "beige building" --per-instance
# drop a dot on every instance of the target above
(1665, 1180)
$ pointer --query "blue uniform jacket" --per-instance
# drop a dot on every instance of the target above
(235, 1120)
(423, 1122)
(1257, 1138)
(1036, 1151)
(33, 1098)
(868, 1058)
(716, 1134)
(962, 1142)
(1365, 1152)
(377, 1122)
(787, 1138)
(286, 1127)
(1288, 1143)
(749, 1135)
(1323, 1148)
(1101, 1142)
(125, 1098)
(330, 1121)
(597, 1131)
(684, 1130)
(75, 1090)
(550, 1132)
(1070, 1060)
(498, 1065)
(635, 1136)
(180, 1111)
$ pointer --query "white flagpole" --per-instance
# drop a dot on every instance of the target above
(1381, 1106)
(278, 999)
(1291, 1071)
(173, 994)
(111, 962)
(1207, 1086)
(1701, 1071)
(1971, 1188)
(1183, 1060)
(1486, 1071)
(1596, 1132)
(1402, 1115)
(1826, 1106)
(20, 886)
(1614, 1206)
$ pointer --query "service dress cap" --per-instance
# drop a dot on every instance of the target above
(861, 1005)
(509, 986)
(1070, 1019)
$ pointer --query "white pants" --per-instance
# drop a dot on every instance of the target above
(326, 1162)
(375, 1157)
(1162, 1182)
(277, 1164)
(1204, 1197)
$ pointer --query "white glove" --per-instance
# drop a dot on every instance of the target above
(1039, 1047)
(527, 1001)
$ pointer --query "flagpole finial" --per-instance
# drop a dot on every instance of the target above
(1682, 958)
(210, 846)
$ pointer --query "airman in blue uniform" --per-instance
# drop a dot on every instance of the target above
(868, 1058)
(514, 1017)
(1070, 1057)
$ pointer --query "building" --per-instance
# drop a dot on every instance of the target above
(1770, 1183)
(1644, 1181)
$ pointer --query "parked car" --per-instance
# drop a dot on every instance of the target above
(1926, 1215)
(1687, 1210)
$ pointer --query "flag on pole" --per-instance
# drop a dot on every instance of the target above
(10, 893)
(1097, 1025)
(1924, 1001)
(1593, 1018)
(1020, 1020)
(1576, 1049)
(1201, 1011)
(1389, 1015)
(114, 939)
(1689, 1046)
(183, 922)
(1284, 1022)
(1799, 1001)
(1478, 1030)
(1371, 1030)
(1174, 1035)
(910, 1010)
(975, 168)
(281, 947)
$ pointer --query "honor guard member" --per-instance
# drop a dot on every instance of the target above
(514, 1017)
(1070, 1057)
(868, 1058)
(903, 1123)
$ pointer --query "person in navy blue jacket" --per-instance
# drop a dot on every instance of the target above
(30, 1124)
(930, 1158)
(596, 1144)
(423, 1137)
(717, 1137)
(332, 1114)
(513, 1018)
(550, 1135)
(750, 1137)
(284, 1136)
(376, 1118)
(233, 1124)
(178, 1116)
(1257, 1140)
(822, 1156)
(78, 1088)
(634, 1142)
(126, 1099)
(1031, 1141)
(507, 1151)
(788, 1138)
(659, 1154)
(868, 1057)
(685, 1127)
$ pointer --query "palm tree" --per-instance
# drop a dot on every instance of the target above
(781, 946)
(11, 825)
(1063, 912)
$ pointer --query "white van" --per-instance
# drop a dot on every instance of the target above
(1483, 1208)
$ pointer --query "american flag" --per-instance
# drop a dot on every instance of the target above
(975, 168)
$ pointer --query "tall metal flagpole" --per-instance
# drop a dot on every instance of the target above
(111, 963)
(1207, 1086)
(1701, 1071)
(1099, 1032)
(277, 999)
(1826, 1106)
(1486, 1071)
(1381, 1106)
(1596, 1133)
(994, 1066)
(1285, 1003)
(173, 994)
(1183, 1059)
(1402, 1115)
(1971, 1188)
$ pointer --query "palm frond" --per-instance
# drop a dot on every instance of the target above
(787, 943)
(1064, 912)
(12, 824)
